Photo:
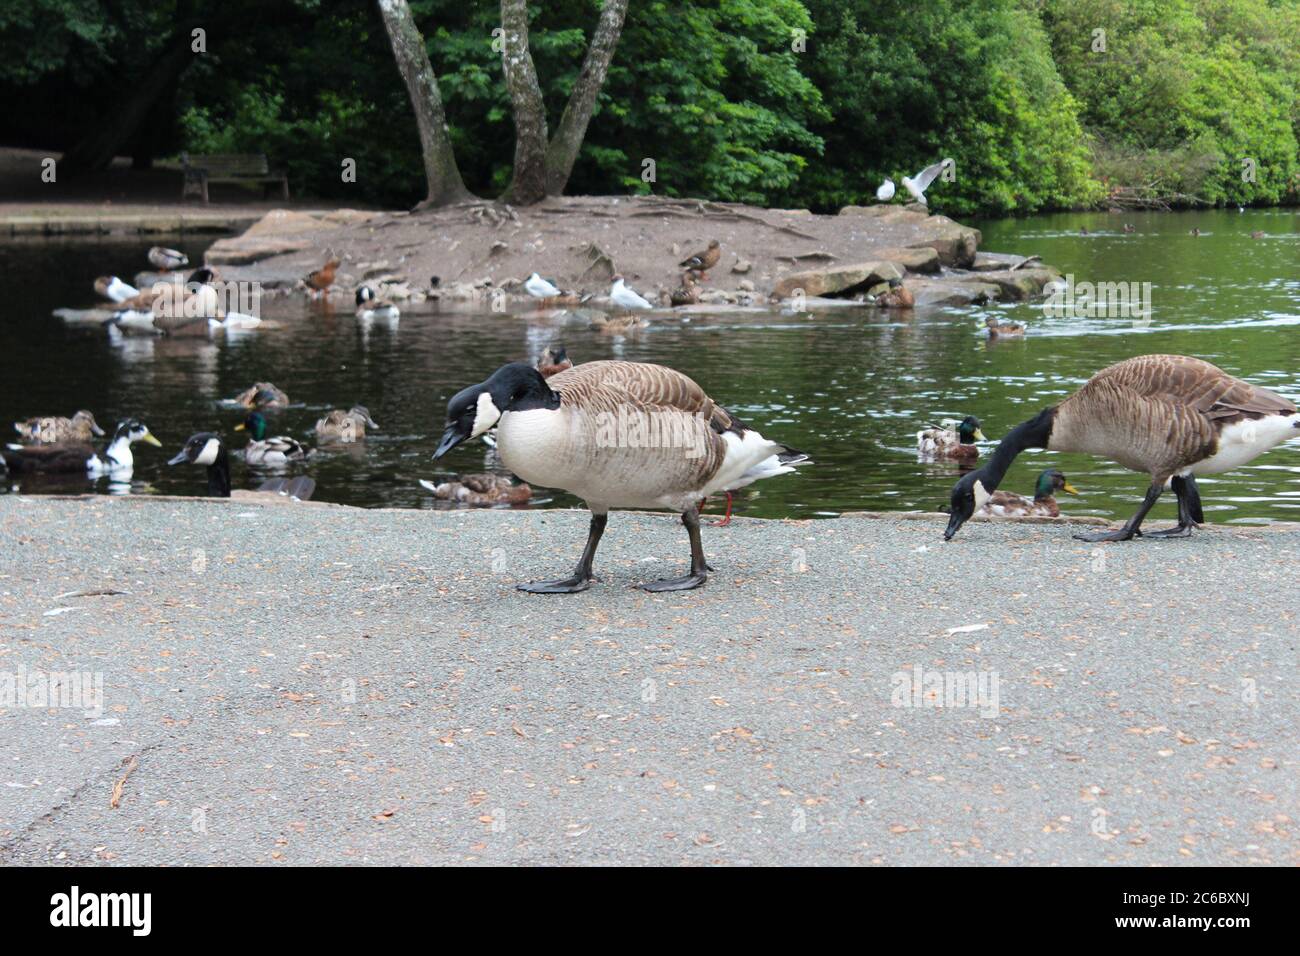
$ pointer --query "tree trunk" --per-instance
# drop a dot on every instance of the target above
(528, 182)
(563, 150)
(440, 169)
(96, 150)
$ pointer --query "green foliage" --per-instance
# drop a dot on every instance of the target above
(790, 102)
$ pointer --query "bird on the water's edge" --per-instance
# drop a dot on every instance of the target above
(617, 435)
(1171, 416)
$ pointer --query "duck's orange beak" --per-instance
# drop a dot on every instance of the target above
(1069, 489)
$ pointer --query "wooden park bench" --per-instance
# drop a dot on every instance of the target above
(229, 168)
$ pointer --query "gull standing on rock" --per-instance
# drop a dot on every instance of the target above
(540, 288)
(625, 297)
(886, 190)
(919, 183)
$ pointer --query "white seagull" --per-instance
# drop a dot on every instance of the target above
(886, 190)
(539, 288)
(114, 289)
(919, 183)
(625, 297)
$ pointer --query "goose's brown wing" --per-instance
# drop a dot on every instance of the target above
(604, 386)
(1195, 384)
(68, 456)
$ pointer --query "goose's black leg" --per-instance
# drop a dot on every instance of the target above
(1132, 526)
(581, 578)
(699, 567)
(1189, 510)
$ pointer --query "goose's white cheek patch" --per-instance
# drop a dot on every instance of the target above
(209, 453)
(981, 495)
(485, 415)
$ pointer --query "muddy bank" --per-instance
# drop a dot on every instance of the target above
(481, 253)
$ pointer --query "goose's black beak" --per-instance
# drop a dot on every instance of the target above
(180, 457)
(452, 437)
(954, 523)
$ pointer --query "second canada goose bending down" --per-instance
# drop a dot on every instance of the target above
(1170, 416)
(617, 435)
(52, 430)
(208, 450)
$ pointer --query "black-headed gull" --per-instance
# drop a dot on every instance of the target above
(539, 288)
(918, 184)
(621, 295)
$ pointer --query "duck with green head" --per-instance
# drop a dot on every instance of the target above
(1008, 503)
(260, 450)
(951, 441)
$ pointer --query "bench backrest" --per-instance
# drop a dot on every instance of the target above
(228, 164)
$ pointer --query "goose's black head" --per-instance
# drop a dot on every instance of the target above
(968, 495)
(203, 448)
(364, 295)
(512, 388)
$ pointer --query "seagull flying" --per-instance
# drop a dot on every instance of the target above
(539, 288)
(886, 190)
(625, 297)
(919, 183)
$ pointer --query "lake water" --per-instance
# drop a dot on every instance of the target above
(848, 386)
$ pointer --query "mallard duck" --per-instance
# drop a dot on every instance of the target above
(1043, 504)
(481, 491)
(702, 262)
(951, 441)
(167, 260)
(918, 184)
(898, 296)
(371, 307)
(1004, 330)
(619, 324)
(686, 293)
(53, 430)
(1196, 231)
(1171, 416)
(553, 360)
(260, 450)
(206, 449)
(626, 298)
(117, 460)
(1129, 227)
(319, 280)
(345, 427)
(114, 289)
(558, 433)
(1257, 234)
(261, 395)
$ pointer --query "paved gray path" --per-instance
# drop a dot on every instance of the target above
(305, 684)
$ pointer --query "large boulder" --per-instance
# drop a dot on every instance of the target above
(917, 259)
(1019, 284)
(956, 244)
(837, 280)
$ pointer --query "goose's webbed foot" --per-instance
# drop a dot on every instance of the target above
(685, 583)
(570, 585)
(1178, 531)
(1123, 534)
(699, 566)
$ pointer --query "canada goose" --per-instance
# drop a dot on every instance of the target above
(617, 435)
(951, 441)
(207, 449)
(117, 459)
(167, 260)
(261, 395)
(886, 191)
(1171, 416)
(898, 296)
(626, 298)
(52, 430)
(918, 184)
(260, 450)
(1004, 330)
(170, 308)
(554, 360)
(319, 280)
(481, 491)
(702, 262)
(345, 427)
(686, 293)
(1043, 504)
(371, 307)
(114, 289)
